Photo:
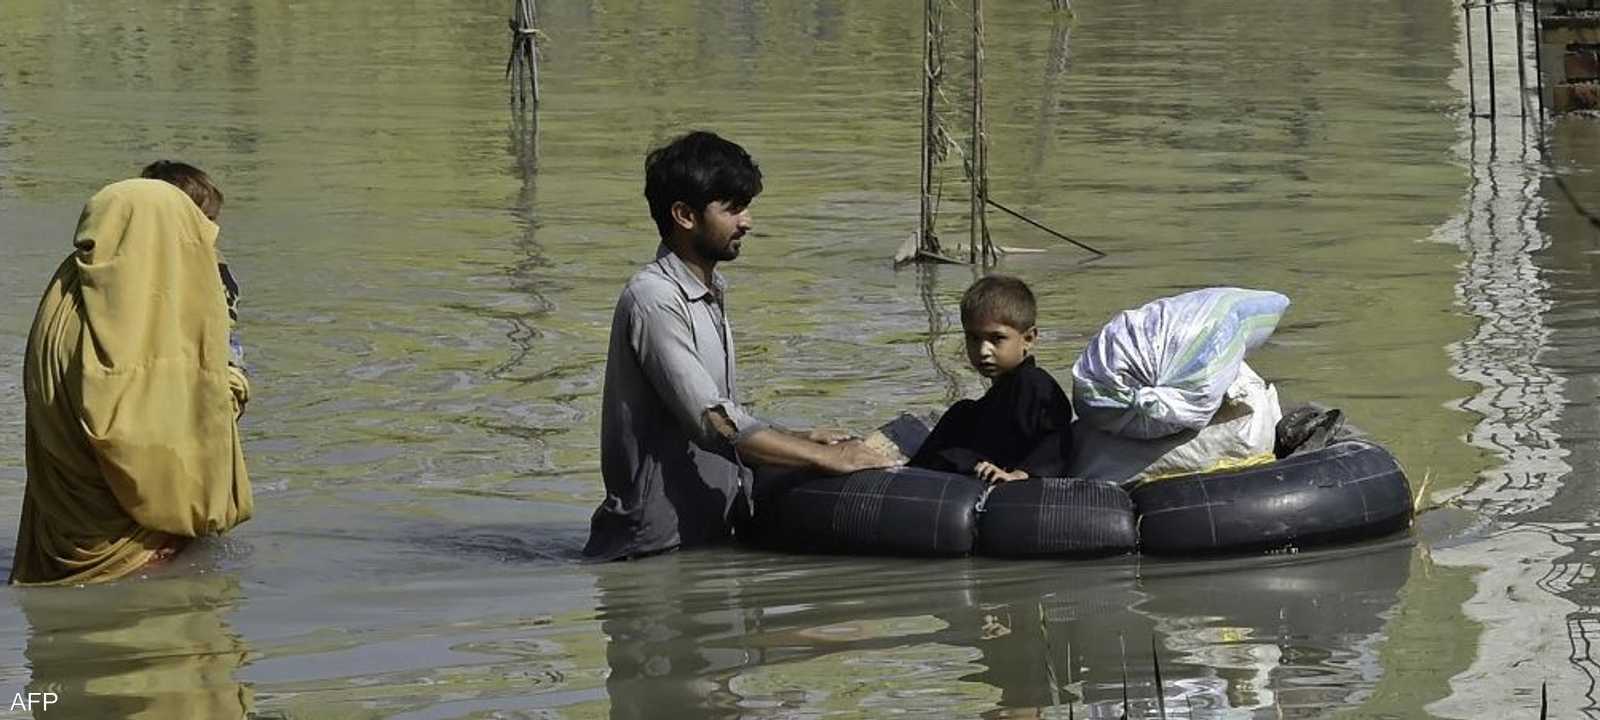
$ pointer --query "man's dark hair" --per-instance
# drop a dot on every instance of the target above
(193, 181)
(698, 169)
(1002, 299)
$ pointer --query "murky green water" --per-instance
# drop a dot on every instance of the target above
(426, 305)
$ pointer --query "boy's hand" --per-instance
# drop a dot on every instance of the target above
(992, 474)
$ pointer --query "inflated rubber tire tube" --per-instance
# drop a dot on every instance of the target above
(1050, 517)
(894, 511)
(1348, 491)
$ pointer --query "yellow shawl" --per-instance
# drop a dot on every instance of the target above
(132, 409)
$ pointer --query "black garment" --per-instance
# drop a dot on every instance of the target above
(230, 295)
(1022, 423)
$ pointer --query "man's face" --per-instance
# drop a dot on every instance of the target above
(719, 229)
(995, 348)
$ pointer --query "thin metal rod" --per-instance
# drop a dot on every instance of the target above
(1122, 643)
(1036, 224)
(1488, 33)
(1161, 692)
(1538, 61)
(1472, 81)
(1522, 54)
(1049, 662)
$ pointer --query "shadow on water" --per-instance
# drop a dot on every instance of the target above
(732, 634)
(507, 543)
(152, 649)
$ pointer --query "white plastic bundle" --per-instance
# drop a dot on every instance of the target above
(1166, 367)
(1240, 434)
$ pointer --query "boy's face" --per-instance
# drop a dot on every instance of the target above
(995, 348)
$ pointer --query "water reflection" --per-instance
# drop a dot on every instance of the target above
(530, 256)
(1520, 396)
(1535, 618)
(938, 327)
(1572, 265)
(1057, 64)
(151, 649)
(1298, 635)
(729, 634)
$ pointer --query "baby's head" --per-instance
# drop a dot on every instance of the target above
(193, 181)
(997, 316)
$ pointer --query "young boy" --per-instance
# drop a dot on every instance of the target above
(1020, 427)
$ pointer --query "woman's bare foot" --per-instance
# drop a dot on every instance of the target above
(169, 549)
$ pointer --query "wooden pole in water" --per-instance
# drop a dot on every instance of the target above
(979, 160)
(524, 60)
(533, 48)
(927, 239)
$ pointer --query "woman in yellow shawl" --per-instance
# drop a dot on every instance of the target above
(132, 407)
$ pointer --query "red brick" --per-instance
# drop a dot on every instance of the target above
(1565, 31)
(1575, 96)
(1583, 65)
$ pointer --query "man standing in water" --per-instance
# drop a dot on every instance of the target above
(673, 438)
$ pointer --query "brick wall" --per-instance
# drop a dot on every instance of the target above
(1571, 47)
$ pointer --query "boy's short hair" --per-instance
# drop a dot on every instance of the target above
(193, 181)
(999, 298)
(698, 169)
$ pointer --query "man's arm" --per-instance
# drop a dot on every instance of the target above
(782, 448)
(769, 447)
(818, 435)
(661, 336)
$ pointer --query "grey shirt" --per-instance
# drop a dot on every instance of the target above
(671, 477)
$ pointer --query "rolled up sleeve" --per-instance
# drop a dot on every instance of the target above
(662, 335)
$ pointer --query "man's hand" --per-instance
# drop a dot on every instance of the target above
(827, 436)
(783, 448)
(848, 456)
(992, 474)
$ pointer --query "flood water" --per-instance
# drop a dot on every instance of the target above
(428, 285)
